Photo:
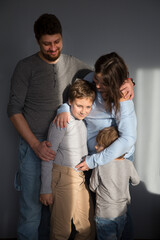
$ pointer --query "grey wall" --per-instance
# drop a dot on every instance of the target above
(90, 29)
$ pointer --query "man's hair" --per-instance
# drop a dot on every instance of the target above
(47, 24)
(107, 136)
(82, 89)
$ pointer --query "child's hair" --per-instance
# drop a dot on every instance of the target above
(47, 24)
(114, 72)
(107, 136)
(82, 89)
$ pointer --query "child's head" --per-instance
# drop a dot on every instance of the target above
(106, 137)
(81, 97)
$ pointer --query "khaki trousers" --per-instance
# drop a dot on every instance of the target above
(71, 201)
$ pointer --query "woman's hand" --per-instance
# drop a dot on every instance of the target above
(62, 119)
(82, 166)
(127, 89)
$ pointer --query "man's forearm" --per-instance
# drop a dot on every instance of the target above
(23, 129)
(41, 149)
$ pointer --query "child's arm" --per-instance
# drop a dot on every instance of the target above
(135, 180)
(55, 136)
(94, 180)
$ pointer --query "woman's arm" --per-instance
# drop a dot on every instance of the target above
(63, 116)
(127, 127)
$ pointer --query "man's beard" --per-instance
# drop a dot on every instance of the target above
(51, 59)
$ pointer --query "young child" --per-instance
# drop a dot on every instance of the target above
(62, 184)
(111, 184)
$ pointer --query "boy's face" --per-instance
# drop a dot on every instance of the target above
(99, 148)
(81, 107)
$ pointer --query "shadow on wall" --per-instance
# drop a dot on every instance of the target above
(145, 211)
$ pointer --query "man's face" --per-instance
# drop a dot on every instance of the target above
(50, 47)
(81, 107)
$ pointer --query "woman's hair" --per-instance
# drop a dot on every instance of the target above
(107, 136)
(114, 72)
(82, 89)
(47, 24)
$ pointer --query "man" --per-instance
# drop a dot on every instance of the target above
(39, 85)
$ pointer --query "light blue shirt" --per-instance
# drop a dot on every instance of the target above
(98, 119)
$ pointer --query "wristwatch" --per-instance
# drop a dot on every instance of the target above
(132, 81)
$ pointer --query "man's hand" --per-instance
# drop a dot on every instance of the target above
(43, 150)
(127, 89)
(82, 166)
(62, 119)
(46, 199)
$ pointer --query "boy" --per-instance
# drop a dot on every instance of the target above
(62, 184)
(111, 184)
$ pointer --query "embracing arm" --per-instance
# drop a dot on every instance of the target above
(127, 127)
(18, 93)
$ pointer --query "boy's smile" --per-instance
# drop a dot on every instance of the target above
(81, 107)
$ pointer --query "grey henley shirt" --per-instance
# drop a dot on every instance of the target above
(39, 88)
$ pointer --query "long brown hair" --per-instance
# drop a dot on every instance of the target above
(114, 72)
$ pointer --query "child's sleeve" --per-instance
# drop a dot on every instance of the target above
(135, 180)
(55, 136)
(94, 180)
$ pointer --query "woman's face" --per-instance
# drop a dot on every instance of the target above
(98, 79)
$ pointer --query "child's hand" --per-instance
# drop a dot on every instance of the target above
(46, 199)
(62, 119)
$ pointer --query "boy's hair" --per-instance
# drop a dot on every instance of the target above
(82, 89)
(107, 136)
(47, 24)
